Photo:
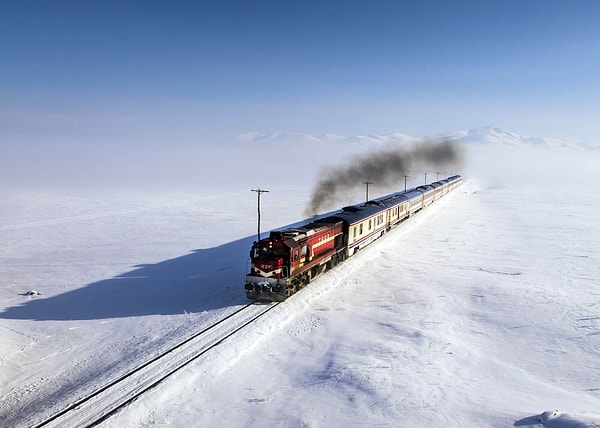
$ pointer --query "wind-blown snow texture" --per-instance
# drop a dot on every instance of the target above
(483, 310)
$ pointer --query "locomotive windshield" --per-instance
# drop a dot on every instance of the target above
(263, 251)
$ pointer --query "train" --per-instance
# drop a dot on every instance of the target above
(289, 259)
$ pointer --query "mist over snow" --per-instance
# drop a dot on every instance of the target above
(481, 311)
(283, 159)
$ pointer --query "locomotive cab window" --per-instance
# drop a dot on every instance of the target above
(269, 252)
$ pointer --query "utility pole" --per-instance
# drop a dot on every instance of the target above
(259, 191)
(437, 178)
(405, 177)
(367, 183)
(425, 178)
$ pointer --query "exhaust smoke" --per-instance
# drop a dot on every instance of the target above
(384, 168)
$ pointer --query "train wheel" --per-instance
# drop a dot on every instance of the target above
(307, 279)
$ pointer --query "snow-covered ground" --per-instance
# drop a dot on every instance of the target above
(482, 311)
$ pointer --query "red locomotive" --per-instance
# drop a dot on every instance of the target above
(288, 259)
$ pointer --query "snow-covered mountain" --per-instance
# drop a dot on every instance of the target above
(484, 135)
(495, 135)
(296, 138)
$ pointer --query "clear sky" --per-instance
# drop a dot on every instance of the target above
(188, 71)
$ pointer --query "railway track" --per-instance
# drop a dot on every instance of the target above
(101, 404)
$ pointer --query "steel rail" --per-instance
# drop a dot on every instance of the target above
(121, 398)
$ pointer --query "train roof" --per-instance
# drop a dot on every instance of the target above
(355, 213)
(400, 197)
(393, 199)
(425, 188)
(307, 229)
(414, 193)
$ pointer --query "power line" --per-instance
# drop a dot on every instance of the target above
(367, 183)
(259, 192)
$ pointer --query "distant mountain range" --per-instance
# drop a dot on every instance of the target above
(484, 135)
(494, 135)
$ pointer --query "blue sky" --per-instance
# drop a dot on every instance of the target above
(165, 72)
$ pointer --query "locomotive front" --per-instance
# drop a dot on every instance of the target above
(270, 269)
(289, 259)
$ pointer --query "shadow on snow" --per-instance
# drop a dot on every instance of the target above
(202, 280)
(552, 419)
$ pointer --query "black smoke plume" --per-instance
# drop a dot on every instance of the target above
(384, 168)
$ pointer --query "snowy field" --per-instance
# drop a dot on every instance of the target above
(481, 311)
